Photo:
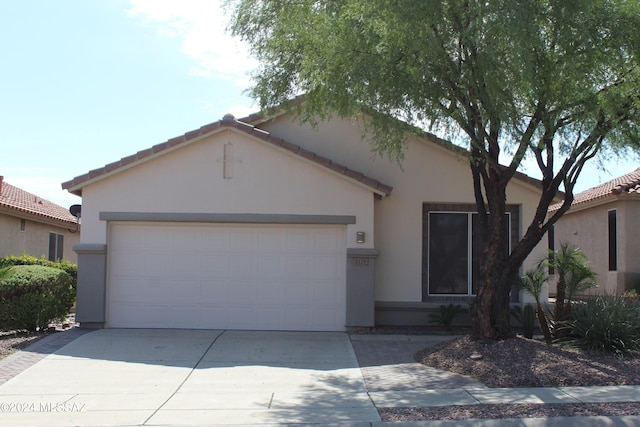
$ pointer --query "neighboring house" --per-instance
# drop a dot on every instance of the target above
(32, 225)
(603, 222)
(265, 223)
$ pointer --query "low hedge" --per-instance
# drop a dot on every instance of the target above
(32, 296)
(61, 264)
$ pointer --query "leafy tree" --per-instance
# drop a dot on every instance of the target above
(555, 80)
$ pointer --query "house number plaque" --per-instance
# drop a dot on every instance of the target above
(361, 261)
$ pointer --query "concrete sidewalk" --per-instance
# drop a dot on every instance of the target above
(176, 377)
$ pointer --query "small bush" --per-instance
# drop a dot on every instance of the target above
(605, 323)
(31, 296)
(445, 316)
(61, 264)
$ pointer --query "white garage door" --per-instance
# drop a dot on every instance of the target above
(207, 276)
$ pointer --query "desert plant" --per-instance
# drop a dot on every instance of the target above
(445, 315)
(574, 276)
(31, 296)
(604, 323)
(528, 321)
(533, 282)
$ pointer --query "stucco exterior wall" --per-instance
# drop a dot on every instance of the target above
(265, 180)
(588, 229)
(629, 243)
(429, 173)
(34, 240)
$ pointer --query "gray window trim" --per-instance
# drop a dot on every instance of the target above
(612, 239)
(513, 211)
(228, 218)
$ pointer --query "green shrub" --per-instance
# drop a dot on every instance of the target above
(605, 323)
(61, 264)
(31, 296)
(445, 316)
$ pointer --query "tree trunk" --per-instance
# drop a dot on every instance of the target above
(490, 310)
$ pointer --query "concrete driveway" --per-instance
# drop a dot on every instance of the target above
(191, 377)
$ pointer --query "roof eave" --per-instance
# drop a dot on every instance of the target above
(35, 216)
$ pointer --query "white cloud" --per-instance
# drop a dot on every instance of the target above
(201, 27)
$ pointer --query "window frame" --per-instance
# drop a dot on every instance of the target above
(513, 213)
(612, 234)
(56, 246)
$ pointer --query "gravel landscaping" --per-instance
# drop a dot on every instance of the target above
(521, 362)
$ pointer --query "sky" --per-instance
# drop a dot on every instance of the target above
(85, 83)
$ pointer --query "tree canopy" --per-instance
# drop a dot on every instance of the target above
(558, 81)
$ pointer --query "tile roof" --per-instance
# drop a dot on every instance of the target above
(228, 121)
(16, 199)
(629, 183)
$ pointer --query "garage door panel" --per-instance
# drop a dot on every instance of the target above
(213, 291)
(300, 267)
(186, 240)
(243, 264)
(131, 237)
(126, 262)
(326, 294)
(327, 267)
(270, 240)
(242, 240)
(272, 267)
(226, 276)
(299, 293)
(215, 265)
(212, 239)
(242, 292)
(187, 263)
(271, 292)
(158, 238)
(298, 240)
(326, 242)
(158, 264)
(185, 289)
(183, 316)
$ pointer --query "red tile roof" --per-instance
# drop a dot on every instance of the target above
(629, 183)
(228, 121)
(21, 201)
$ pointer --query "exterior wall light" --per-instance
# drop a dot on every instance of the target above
(360, 237)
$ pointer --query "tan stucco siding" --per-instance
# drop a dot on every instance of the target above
(34, 240)
(628, 243)
(264, 180)
(429, 174)
(588, 230)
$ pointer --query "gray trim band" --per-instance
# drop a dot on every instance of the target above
(362, 252)
(90, 248)
(232, 218)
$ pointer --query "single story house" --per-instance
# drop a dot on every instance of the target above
(267, 223)
(35, 226)
(603, 222)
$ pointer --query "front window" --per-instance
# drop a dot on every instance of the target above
(452, 249)
(613, 240)
(56, 243)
